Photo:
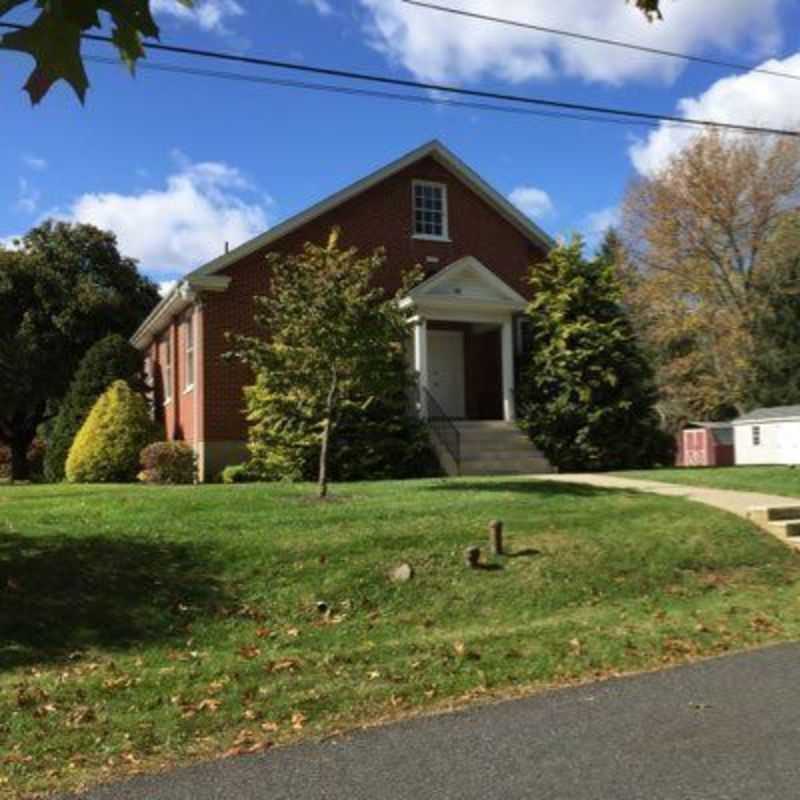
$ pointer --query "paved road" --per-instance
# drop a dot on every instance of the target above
(727, 729)
(727, 499)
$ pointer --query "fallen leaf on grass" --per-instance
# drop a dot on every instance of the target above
(249, 652)
(298, 721)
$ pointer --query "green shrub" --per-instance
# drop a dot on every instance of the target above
(238, 473)
(168, 462)
(379, 441)
(107, 447)
(109, 360)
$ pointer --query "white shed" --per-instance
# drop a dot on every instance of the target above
(768, 436)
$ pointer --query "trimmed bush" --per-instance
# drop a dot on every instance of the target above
(168, 462)
(107, 447)
(238, 473)
(109, 360)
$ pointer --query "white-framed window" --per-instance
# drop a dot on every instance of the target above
(756, 435)
(430, 210)
(167, 370)
(189, 349)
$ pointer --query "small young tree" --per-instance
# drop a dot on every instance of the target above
(108, 445)
(111, 359)
(334, 344)
(587, 392)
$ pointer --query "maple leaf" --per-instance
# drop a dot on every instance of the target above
(53, 39)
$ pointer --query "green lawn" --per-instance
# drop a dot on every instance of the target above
(145, 627)
(769, 480)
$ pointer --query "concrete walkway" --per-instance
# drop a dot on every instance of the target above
(736, 502)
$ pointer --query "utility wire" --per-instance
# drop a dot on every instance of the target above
(360, 92)
(438, 87)
(600, 40)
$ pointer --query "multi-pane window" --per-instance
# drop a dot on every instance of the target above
(189, 352)
(167, 368)
(756, 435)
(430, 210)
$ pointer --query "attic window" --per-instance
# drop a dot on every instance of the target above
(430, 210)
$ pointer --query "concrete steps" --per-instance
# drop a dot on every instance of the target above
(495, 448)
(782, 521)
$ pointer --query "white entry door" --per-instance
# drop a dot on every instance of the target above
(446, 370)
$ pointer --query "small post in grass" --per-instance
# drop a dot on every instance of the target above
(496, 537)
(472, 557)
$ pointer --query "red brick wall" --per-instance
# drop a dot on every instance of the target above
(379, 217)
(178, 413)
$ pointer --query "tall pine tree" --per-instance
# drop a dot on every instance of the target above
(587, 394)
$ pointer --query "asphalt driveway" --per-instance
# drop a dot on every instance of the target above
(725, 729)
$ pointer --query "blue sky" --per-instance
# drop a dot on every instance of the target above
(177, 164)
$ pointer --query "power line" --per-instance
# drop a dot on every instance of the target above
(372, 93)
(600, 40)
(449, 89)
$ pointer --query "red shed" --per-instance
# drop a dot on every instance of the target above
(705, 444)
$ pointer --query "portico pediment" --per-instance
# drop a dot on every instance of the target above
(466, 283)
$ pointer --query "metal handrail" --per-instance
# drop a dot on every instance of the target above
(443, 427)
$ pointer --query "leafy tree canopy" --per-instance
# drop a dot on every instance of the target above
(333, 350)
(53, 39)
(66, 287)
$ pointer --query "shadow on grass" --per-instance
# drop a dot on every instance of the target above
(533, 487)
(60, 594)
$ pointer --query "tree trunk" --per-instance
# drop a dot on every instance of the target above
(322, 483)
(323, 459)
(20, 469)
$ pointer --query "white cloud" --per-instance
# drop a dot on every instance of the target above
(750, 99)
(598, 222)
(321, 6)
(27, 196)
(35, 163)
(165, 287)
(439, 46)
(209, 15)
(536, 203)
(184, 224)
(10, 242)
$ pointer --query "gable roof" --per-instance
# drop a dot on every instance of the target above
(199, 278)
(774, 414)
(433, 149)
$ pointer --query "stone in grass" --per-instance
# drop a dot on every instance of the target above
(402, 573)
(472, 557)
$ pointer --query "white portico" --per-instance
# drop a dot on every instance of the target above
(463, 342)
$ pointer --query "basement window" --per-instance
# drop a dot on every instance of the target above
(430, 210)
(756, 435)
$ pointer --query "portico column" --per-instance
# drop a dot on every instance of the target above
(509, 412)
(421, 362)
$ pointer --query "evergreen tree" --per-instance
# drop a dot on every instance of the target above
(775, 368)
(587, 392)
(111, 359)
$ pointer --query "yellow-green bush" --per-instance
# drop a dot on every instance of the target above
(107, 447)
